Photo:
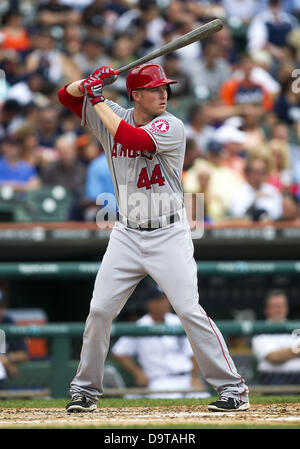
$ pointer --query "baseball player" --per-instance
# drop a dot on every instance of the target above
(145, 147)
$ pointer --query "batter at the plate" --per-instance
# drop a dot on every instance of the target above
(145, 148)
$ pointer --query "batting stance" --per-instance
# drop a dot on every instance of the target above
(145, 148)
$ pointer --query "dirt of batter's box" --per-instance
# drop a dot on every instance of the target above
(130, 416)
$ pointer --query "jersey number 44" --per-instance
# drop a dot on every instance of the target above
(144, 180)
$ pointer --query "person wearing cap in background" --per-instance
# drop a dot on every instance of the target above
(232, 140)
(15, 351)
(160, 362)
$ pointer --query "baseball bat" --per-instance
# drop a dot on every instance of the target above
(198, 34)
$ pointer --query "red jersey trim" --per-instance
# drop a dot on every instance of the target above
(70, 102)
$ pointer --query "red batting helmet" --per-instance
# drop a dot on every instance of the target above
(146, 76)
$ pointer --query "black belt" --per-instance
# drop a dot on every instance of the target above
(146, 226)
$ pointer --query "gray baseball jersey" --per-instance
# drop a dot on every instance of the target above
(150, 179)
(166, 254)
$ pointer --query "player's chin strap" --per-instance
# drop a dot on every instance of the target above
(153, 223)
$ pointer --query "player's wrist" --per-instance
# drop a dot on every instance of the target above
(97, 100)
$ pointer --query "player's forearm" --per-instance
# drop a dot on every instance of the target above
(18, 356)
(135, 370)
(127, 363)
(74, 89)
(281, 356)
(108, 117)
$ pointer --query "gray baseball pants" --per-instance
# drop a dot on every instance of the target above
(167, 255)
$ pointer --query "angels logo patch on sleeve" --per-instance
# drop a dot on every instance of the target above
(160, 126)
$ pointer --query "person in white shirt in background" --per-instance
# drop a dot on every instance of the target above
(278, 355)
(160, 362)
(255, 199)
(269, 29)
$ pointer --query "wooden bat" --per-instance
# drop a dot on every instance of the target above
(198, 34)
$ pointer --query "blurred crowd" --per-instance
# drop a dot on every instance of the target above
(238, 95)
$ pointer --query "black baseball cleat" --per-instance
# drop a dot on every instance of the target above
(227, 404)
(80, 403)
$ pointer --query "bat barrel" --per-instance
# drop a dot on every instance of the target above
(198, 34)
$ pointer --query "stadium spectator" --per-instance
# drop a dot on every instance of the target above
(69, 123)
(91, 56)
(282, 132)
(144, 16)
(15, 351)
(256, 199)
(269, 29)
(54, 13)
(198, 128)
(280, 175)
(207, 175)
(232, 140)
(11, 117)
(242, 91)
(209, 72)
(172, 67)
(13, 34)
(191, 154)
(250, 123)
(287, 106)
(35, 89)
(11, 64)
(78, 5)
(67, 170)
(163, 362)
(47, 130)
(122, 53)
(88, 148)
(191, 52)
(290, 207)
(20, 175)
(29, 145)
(98, 181)
(278, 362)
(72, 40)
(261, 73)
(226, 45)
(50, 62)
(243, 10)
(98, 19)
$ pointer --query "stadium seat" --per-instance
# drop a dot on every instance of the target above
(12, 206)
(49, 203)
